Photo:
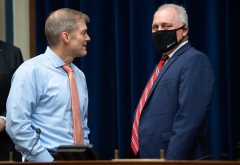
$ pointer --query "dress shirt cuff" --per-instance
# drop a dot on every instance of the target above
(44, 157)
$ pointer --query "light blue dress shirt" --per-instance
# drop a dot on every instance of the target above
(40, 98)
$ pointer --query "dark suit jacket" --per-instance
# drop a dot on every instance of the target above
(10, 59)
(175, 114)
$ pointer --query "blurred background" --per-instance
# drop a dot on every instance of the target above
(121, 58)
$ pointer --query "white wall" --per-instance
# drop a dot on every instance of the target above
(2, 21)
(21, 26)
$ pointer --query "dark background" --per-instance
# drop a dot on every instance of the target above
(121, 58)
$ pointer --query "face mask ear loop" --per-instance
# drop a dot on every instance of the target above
(184, 36)
(181, 27)
(181, 40)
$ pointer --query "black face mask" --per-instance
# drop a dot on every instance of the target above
(164, 40)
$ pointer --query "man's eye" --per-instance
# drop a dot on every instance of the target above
(154, 28)
(166, 26)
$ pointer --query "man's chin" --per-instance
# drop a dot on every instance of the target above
(82, 54)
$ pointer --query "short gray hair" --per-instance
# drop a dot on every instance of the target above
(181, 12)
(62, 20)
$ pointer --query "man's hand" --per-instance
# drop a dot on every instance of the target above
(2, 124)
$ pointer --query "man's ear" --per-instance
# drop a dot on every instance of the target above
(185, 31)
(65, 37)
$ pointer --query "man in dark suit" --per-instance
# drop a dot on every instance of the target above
(10, 59)
(174, 107)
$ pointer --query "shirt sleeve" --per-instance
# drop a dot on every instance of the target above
(22, 100)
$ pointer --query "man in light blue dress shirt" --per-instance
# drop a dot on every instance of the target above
(40, 95)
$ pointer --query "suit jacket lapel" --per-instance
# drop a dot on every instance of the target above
(167, 65)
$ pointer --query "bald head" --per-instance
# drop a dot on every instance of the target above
(181, 14)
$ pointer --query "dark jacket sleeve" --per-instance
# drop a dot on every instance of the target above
(195, 99)
(11, 58)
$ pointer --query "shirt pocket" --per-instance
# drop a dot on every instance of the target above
(166, 81)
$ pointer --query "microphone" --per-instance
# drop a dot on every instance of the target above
(38, 131)
(224, 155)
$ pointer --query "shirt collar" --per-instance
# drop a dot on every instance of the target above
(179, 46)
(54, 58)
